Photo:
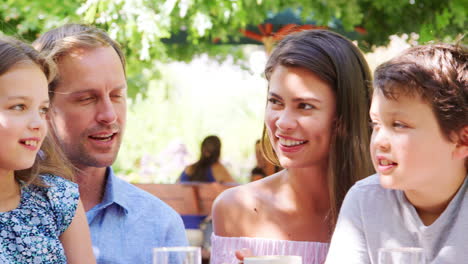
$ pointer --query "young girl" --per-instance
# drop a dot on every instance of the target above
(41, 218)
(316, 128)
(419, 148)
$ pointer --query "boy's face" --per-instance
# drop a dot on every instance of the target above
(407, 146)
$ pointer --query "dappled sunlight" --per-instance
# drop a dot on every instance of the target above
(397, 44)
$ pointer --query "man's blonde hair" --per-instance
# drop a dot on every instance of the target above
(60, 41)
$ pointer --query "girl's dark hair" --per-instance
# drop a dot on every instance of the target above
(337, 61)
(209, 154)
(50, 159)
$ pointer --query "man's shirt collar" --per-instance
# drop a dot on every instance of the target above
(114, 192)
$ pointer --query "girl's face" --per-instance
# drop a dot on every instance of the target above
(299, 117)
(24, 101)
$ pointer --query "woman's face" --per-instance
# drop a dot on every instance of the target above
(299, 117)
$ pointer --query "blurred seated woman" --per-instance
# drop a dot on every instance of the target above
(267, 168)
(257, 174)
(207, 168)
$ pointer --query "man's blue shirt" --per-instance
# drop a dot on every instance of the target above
(130, 222)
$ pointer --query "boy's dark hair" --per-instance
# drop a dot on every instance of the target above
(438, 73)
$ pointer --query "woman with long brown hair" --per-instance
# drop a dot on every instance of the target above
(316, 128)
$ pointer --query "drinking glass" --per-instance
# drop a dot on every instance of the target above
(273, 260)
(406, 255)
(177, 255)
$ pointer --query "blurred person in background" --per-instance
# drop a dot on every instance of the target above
(208, 168)
(267, 168)
(256, 174)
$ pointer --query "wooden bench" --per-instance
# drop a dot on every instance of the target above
(206, 194)
(187, 198)
(180, 197)
(193, 201)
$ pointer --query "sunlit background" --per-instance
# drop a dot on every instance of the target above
(201, 98)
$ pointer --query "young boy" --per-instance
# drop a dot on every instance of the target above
(419, 148)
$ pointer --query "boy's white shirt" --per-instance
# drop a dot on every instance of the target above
(372, 217)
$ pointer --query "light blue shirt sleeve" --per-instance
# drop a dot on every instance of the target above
(129, 223)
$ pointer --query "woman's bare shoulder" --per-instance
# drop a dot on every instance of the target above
(247, 193)
(235, 198)
(235, 210)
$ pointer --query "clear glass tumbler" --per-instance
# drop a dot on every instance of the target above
(406, 255)
(273, 260)
(177, 255)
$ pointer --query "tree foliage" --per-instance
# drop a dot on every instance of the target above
(143, 26)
